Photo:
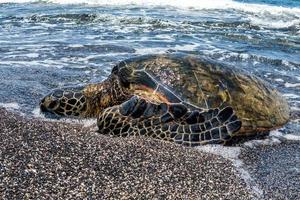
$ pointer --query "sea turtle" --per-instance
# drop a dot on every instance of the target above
(176, 97)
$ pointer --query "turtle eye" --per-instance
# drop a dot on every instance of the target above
(58, 93)
(48, 104)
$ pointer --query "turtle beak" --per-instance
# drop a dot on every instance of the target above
(43, 108)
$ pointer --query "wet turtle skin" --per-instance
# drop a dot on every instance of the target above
(194, 81)
(206, 83)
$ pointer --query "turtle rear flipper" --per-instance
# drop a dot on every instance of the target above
(209, 127)
(171, 122)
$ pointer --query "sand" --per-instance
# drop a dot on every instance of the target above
(275, 169)
(59, 160)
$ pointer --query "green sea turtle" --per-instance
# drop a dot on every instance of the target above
(176, 97)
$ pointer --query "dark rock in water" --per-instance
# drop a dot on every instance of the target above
(63, 161)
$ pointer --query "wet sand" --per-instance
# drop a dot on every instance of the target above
(275, 169)
(63, 161)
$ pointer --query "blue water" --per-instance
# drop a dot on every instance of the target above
(284, 3)
(48, 45)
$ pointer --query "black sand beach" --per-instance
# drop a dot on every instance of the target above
(64, 161)
(275, 169)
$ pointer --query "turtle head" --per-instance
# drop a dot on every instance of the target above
(64, 103)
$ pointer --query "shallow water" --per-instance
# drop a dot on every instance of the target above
(50, 44)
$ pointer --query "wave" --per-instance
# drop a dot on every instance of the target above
(196, 4)
(262, 15)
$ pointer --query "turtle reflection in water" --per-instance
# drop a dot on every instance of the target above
(175, 97)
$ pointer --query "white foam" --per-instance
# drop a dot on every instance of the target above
(291, 96)
(290, 85)
(37, 113)
(32, 63)
(196, 4)
(76, 45)
(32, 55)
(276, 133)
(289, 64)
(187, 47)
(226, 152)
(232, 154)
(244, 56)
(175, 3)
(266, 142)
(294, 108)
(155, 50)
(279, 134)
(12, 105)
(292, 137)
(90, 123)
(159, 50)
(273, 23)
(279, 80)
(258, 14)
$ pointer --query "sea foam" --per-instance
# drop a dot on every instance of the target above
(10, 106)
(232, 154)
(258, 14)
(280, 135)
(196, 4)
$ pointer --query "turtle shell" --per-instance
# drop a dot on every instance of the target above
(206, 83)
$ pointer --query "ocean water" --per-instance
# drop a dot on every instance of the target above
(46, 44)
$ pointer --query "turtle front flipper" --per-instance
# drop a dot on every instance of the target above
(171, 122)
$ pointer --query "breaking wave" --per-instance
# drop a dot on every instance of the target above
(258, 14)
